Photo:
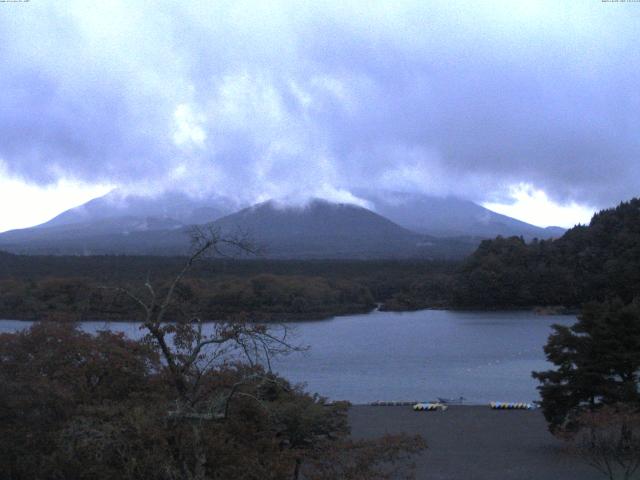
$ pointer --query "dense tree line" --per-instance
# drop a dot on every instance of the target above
(129, 268)
(81, 288)
(594, 262)
(263, 297)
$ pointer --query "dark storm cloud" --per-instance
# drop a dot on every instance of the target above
(260, 99)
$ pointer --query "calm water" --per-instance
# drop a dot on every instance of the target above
(482, 356)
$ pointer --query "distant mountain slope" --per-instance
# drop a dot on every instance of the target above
(89, 239)
(170, 205)
(403, 225)
(82, 238)
(330, 230)
(116, 223)
(318, 230)
(450, 216)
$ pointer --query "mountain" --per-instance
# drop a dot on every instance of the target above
(82, 237)
(175, 206)
(319, 229)
(322, 229)
(450, 216)
(126, 235)
(403, 225)
(117, 223)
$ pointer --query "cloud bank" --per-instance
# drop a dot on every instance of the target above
(254, 100)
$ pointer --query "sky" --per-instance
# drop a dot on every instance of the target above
(530, 108)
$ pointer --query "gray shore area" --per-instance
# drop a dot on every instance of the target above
(476, 443)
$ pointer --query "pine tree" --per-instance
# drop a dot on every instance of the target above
(597, 363)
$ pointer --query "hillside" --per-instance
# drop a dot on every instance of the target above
(451, 217)
(401, 226)
(318, 230)
(587, 263)
(120, 224)
(175, 206)
(135, 236)
(327, 230)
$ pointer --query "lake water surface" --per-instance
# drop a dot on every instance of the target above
(422, 355)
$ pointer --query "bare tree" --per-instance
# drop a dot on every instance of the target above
(220, 367)
(192, 355)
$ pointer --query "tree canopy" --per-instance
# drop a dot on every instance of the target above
(597, 363)
(587, 263)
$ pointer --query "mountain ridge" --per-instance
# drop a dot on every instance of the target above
(169, 205)
(114, 224)
(324, 229)
(451, 216)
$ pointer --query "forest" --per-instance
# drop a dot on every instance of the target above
(86, 288)
(588, 263)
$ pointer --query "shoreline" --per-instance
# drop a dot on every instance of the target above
(319, 317)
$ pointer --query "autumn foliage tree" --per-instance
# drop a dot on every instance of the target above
(60, 385)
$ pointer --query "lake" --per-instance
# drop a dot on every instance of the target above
(482, 356)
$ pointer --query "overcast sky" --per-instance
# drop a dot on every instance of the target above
(529, 107)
